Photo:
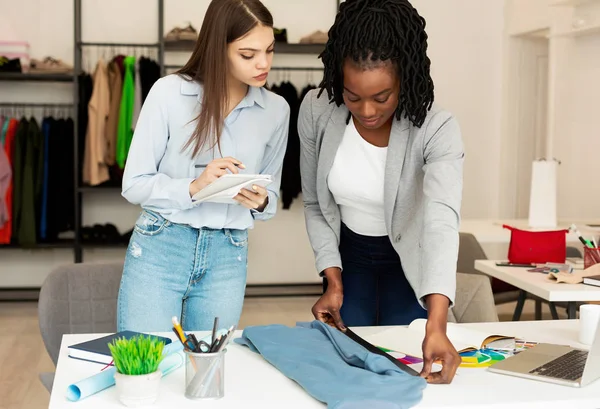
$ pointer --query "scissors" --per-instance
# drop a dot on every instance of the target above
(197, 346)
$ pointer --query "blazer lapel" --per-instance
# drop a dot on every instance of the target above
(393, 167)
(332, 137)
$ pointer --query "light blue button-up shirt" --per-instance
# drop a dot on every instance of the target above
(158, 173)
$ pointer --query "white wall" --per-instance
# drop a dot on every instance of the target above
(527, 16)
(465, 38)
(577, 136)
(574, 86)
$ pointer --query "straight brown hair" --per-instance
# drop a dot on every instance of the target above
(225, 21)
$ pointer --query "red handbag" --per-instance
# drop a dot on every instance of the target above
(537, 247)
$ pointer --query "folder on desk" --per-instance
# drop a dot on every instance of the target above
(97, 349)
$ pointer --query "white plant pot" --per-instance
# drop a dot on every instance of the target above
(138, 390)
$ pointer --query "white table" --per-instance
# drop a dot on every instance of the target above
(539, 285)
(250, 382)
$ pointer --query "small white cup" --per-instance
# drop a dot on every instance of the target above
(589, 317)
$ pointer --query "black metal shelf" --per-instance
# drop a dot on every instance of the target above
(136, 45)
(60, 244)
(35, 105)
(64, 244)
(280, 48)
(37, 77)
(90, 245)
(88, 189)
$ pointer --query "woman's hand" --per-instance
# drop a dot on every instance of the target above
(327, 308)
(436, 345)
(213, 171)
(256, 198)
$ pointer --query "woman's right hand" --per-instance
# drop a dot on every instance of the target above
(327, 308)
(213, 171)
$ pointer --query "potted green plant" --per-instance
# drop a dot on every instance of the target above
(137, 377)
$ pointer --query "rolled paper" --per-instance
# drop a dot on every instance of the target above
(173, 359)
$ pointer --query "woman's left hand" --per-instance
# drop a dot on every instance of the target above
(437, 347)
(256, 199)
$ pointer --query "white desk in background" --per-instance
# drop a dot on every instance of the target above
(251, 382)
(490, 231)
(538, 284)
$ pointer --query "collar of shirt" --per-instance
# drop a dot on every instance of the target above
(254, 96)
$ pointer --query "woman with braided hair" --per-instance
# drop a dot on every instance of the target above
(382, 179)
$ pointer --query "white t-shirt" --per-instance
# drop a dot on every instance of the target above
(356, 182)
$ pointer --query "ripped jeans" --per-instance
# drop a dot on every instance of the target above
(177, 270)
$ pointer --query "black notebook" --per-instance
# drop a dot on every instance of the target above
(97, 350)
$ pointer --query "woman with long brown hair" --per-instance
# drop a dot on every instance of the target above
(211, 118)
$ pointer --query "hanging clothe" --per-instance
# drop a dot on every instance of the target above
(305, 91)
(8, 142)
(18, 167)
(291, 183)
(95, 170)
(5, 176)
(125, 134)
(149, 74)
(86, 87)
(115, 85)
(43, 230)
(63, 136)
(137, 99)
(28, 214)
(3, 128)
(38, 199)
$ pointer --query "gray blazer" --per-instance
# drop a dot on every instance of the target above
(422, 196)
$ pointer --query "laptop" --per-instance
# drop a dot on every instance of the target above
(560, 364)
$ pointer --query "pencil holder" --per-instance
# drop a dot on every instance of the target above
(591, 256)
(205, 375)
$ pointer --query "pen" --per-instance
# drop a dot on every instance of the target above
(178, 329)
(225, 340)
(585, 242)
(179, 337)
(215, 345)
(199, 166)
(214, 331)
(500, 264)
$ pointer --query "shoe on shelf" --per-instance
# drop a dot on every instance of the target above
(188, 33)
(49, 65)
(10, 65)
(280, 35)
(317, 37)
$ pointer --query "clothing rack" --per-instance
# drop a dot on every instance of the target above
(24, 108)
(80, 49)
(78, 65)
(34, 105)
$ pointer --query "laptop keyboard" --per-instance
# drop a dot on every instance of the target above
(568, 366)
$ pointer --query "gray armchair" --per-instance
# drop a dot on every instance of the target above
(474, 300)
(76, 299)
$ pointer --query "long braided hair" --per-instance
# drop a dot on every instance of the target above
(374, 31)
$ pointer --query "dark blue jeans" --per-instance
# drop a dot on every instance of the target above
(376, 291)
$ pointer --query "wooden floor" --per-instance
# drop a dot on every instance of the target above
(23, 356)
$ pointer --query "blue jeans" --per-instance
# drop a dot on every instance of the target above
(376, 291)
(177, 270)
